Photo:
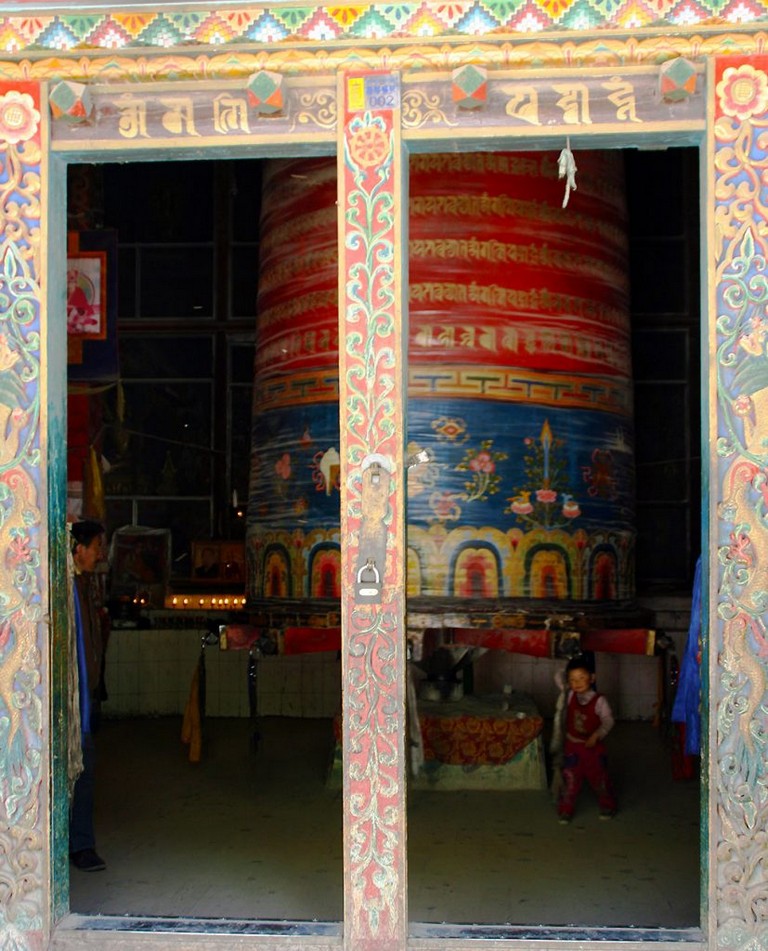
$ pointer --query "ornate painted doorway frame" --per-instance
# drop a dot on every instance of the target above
(32, 466)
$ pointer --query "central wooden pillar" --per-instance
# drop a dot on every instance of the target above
(372, 372)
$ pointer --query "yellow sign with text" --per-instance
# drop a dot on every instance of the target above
(356, 93)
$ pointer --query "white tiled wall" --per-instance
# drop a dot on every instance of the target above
(629, 681)
(149, 673)
(305, 685)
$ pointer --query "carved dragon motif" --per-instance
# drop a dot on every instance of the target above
(18, 650)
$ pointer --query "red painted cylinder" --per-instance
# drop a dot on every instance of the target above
(520, 398)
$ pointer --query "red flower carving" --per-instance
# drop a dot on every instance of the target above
(743, 92)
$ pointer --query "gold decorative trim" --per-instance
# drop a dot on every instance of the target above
(559, 50)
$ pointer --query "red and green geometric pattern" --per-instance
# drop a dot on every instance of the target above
(365, 21)
(469, 86)
(265, 91)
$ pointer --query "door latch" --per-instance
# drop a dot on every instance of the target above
(369, 582)
(374, 501)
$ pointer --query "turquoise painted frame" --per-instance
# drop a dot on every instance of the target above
(362, 931)
(734, 539)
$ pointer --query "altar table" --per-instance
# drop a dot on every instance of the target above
(493, 741)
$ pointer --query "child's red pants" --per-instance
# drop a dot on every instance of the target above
(583, 763)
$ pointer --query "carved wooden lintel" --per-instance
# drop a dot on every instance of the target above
(272, 107)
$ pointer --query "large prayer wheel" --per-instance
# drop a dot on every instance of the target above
(519, 393)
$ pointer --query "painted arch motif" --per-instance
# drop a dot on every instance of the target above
(476, 573)
(325, 572)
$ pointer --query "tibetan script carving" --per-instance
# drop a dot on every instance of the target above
(223, 111)
(597, 100)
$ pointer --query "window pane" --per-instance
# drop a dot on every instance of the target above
(119, 513)
(159, 201)
(126, 283)
(163, 445)
(158, 357)
(245, 279)
(661, 424)
(660, 355)
(240, 439)
(176, 282)
(246, 203)
(658, 278)
(660, 555)
(657, 210)
(186, 520)
(241, 358)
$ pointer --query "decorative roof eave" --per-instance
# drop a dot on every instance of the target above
(557, 49)
(42, 29)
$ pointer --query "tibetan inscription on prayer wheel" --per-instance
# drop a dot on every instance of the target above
(520, 432)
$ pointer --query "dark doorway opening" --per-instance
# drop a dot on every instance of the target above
(188, 266)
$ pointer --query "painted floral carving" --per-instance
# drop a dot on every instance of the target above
(740, 844)
(19, 119)
(19, 551)
(743, 92)
(8, 357)
(741, 638)
(370, 364)
(21, 607)
(22, 708)
(369, 145)
(743, 406)
(752, 340)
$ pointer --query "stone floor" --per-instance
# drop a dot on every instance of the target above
(258, 836)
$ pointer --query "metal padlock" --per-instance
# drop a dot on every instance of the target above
(369, 582)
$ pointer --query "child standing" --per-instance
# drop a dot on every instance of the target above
(587, 720)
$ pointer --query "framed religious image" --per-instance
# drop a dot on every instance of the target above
(140, 561)
(233, 561)
(218, 562)
(206, 561)
(87, 295)
(91, 306)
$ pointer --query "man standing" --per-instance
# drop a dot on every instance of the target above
(90, 637)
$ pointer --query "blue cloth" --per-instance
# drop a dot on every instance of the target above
(82, 670)
(687, 706)
(81, 832)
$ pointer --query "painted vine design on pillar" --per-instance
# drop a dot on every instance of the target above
(373, 656)
(22, 843)
(741, 220)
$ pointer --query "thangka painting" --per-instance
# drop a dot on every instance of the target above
(92, 306)
(86, 304)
